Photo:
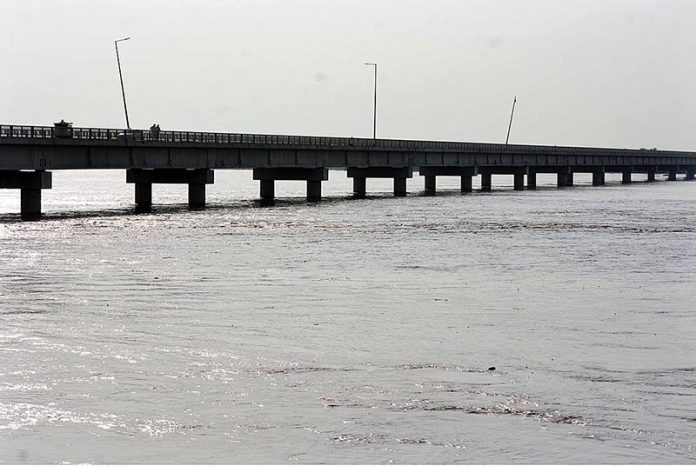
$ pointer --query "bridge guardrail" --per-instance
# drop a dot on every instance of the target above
(196, 137)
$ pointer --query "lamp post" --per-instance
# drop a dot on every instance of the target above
(512, 112)
(374, 113)
(120, 75)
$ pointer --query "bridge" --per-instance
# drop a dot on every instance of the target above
(28, 154)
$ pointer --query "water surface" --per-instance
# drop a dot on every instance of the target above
(349, 331)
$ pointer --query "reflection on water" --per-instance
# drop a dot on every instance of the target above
(547, 326)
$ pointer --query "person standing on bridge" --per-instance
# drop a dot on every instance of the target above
(154, 131)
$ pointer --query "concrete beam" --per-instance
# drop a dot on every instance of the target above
(15, 179)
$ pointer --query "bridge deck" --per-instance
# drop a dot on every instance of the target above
(38, 147)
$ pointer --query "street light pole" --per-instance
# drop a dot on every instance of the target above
(512, 112)
(120, 75)
(374, 113)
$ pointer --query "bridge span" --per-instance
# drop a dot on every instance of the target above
(28, 154)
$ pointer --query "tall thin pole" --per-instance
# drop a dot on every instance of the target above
(120, 75)
(510, 125)
(374, 109)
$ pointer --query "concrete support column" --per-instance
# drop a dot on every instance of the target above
(561, 179)
(518, 182)
(267, 190)
(143, 196)
(466, 184)
(651, 175)
(598, 178)
(359, 186)
(690, 174)
(486, 181)
(564, 177)
(430, 184)
(30, 203)
(626, 176)
(196, 195)
(314, 190)
(672, 175)
(399, 187)
(531, 180)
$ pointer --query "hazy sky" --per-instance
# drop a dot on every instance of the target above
(618, 73)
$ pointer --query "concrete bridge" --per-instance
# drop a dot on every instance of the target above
(29, 153)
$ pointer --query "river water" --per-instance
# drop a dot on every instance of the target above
(350, 331)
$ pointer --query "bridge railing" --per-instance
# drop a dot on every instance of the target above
(196, 137)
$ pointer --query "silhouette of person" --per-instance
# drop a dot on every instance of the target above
(155, 130)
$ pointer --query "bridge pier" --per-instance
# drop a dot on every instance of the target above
(430, 184)
(312, 176)
(532, 179)
(432, 172)
(598, 178)
(626, 177)
(466, 184)
(398, 174)
(672, 174)
(400, 187)
(486, 182)
(690, 174)
(518, 181)
(564, 177)
(359, 186)
(143, 196)
(196, 195)
(30, 184)
(651, 175)
(267, 188)
(145, 178)
(313, 190)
